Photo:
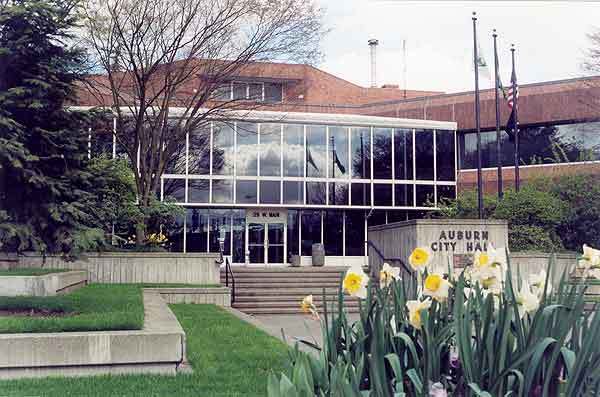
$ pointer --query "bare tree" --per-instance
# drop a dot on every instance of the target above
(163, 61)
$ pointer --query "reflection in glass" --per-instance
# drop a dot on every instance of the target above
(424, 154)
(197, 230)
(334, 238)
(382, 194)
(382, 153)
(444, 141)
(247, 149)
(338, 152)
(199, 151)
(293, 192)
(293, 233)
(176, 164)
(198, 190)
(239, 236)
(176, 234)
(220, 222)
(273, 92)
(293, 150)
(270, 192)
(361, 194)
(378, 217)
(397, 216)
(102, 144)
(245, 192)
(403, 154)
(174, 189)
(239, 90)
(425, 196)
(256, 242)
(355, 233)
(222, 161)
(360, 140)
(255, 90)
(445, 193)
(315, 192)
(315, 151)
(338, 193)
(222, 191)
(270, 149)
(311, 230)
(403, 195)
(275, 239)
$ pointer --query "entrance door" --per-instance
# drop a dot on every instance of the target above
(266, 243)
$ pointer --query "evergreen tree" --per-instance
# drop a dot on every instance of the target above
(45, 182)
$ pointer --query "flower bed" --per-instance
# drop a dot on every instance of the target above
(484, 332)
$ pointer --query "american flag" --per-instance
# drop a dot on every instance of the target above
(509, 96)
(512, 97)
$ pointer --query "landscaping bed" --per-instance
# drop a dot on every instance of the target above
(95, 307)
(229, 358)
(31, 271)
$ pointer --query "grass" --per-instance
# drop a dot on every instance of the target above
(230, 358)
(95, 307)
(31, 271)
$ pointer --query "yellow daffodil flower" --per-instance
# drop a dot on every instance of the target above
(414, 311)
(436, 286)
(307, 304)
(387, 274)
(420, 258)
(527, 302)
(356, 281)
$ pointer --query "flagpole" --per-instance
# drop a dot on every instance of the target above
(498, 136)
(516, 128)
(477, 120)
(333, 167)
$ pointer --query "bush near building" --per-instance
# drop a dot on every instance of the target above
(546, 214)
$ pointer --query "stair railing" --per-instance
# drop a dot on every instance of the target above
(229, 272)
(398, 262)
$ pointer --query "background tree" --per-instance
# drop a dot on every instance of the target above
(45, 183)
(163, 62)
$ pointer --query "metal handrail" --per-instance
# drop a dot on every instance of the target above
(228, 271)
(391, 259)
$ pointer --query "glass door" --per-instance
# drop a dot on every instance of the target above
(256, 243)
(276, 243)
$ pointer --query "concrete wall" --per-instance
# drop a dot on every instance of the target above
(533, 262)
(216, 296)
(137, 267)
(444, 237)
(45, 285)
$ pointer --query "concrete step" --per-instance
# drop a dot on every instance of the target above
(296, 284)
(290, 304)
(289, 297)
(285, 276)
(302, 292)
(285, 310)
(287, 269)
(288, 280)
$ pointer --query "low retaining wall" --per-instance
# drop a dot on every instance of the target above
(159, 348)
(533, 262)
(137, 267)
(44, 285)
(220, 296)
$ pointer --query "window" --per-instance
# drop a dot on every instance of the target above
(293, 192)
(222, 191)
(199, 151)
(382, 194)
(174, 189)
(360, 139)
(403, 195)
(403, 154)
(293, 150)
(270, 149)
(220, 223)
(355, 233)
(425, 196)
(223, 152)
(293, 233)
(424, 154)
(197, 230)
(445, 154)
(338, 193)
(273, 92)
(222, 93)
(270, 192)
(445, 193)
(315, 151)
(102, 143)
(247, 149)
(245, 192)
(333, 225)
(337, 156)
(238, 229)
(311, 230)
(198, 190)
(382, 153)
(315, 193)
(361, 194)
(176, 234)
(255, 91)
(240, 90)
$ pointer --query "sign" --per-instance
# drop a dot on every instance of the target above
(266, 215)
(462, 241)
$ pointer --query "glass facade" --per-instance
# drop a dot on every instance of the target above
(547, 144)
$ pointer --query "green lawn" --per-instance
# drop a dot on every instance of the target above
(31, 271)
(229, 358)
(95, 307)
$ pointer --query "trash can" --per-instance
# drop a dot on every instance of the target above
(318, 254)
(295, 261)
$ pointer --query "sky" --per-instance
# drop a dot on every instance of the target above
(550, 40)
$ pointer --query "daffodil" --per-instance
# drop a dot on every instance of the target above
(387, 274)
(538, 283)
(414, 311)
(527, 302)
(590, 258)
(595, 273)
(419, 258)
(356, 281)
(437, 390)
(307, 304)
(436, 286)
